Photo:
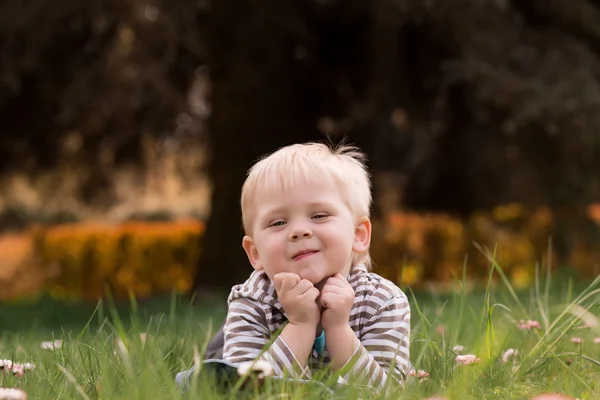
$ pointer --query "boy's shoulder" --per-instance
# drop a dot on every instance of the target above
(368, 285)
(257, 287)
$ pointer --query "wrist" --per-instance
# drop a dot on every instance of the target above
(338, 330)
(303, 328)
(341, 343)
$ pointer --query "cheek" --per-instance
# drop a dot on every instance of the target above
(275, 246)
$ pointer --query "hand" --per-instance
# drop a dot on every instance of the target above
(298, 297)
(337, 298)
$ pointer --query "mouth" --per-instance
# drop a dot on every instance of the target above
(303, 254)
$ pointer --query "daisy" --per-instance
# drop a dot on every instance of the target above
(508, 354)
(12, 394)
(5, 365)
(52, 345)
(422, 375)
(528, 325)
(467, 359)
(458, 348)
(263, 368)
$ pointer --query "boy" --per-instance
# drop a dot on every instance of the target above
(305, 212)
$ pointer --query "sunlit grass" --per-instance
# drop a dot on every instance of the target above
(134, 351)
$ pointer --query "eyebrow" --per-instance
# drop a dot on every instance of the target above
(315, 204)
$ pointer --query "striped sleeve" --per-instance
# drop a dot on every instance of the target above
(247, 338)
(384, 345)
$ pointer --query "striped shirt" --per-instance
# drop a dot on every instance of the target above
(380, 318)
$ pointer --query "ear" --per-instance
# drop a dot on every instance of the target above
(252, 253)
(362, 236)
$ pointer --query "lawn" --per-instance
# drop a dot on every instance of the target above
(133, 351)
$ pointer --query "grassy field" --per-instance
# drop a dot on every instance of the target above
(133, 351)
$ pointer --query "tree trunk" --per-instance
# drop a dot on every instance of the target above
(262, 100)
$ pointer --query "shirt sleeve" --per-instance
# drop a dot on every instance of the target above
(383, 347)
(247, 338)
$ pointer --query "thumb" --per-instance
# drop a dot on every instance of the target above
(278, 281)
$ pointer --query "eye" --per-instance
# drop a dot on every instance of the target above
(276, 223)
(320, 216)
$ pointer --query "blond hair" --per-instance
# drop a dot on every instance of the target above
(342, 166)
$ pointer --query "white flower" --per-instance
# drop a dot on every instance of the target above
(143, 337)
(52, 345)
(263, 368)
(458, 348)
(12, 394)
(508, 354)
(28, 366)
(5, 365)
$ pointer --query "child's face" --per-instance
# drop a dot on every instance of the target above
(307, 230)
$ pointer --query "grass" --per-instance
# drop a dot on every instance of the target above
(91, 365)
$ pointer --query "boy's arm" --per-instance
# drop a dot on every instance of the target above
(384, 346)
(247, 335)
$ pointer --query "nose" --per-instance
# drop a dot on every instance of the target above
(300, 232)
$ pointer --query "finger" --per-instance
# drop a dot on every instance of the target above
(278, 281)
(337, 280)
(328, 300)
(310, 295)
(337, 288)
(333, 289)
(302, 287)
(290, 280)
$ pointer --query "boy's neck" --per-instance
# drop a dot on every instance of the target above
(321, 284)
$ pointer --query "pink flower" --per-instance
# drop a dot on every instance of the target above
(597, 340)
(467, 359)
(576, 339)
(18, 370)
(552, 396)
(440, 329)
(508, 354)
(421, 374)
(12, 394)
(528, 325)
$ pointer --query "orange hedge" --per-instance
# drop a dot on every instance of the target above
(142, 258)
(425, 247)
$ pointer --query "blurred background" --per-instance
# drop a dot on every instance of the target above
(127, 127)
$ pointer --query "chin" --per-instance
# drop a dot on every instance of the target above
(313, 276)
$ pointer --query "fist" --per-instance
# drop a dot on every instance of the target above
(298, 297)
(336, 299)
